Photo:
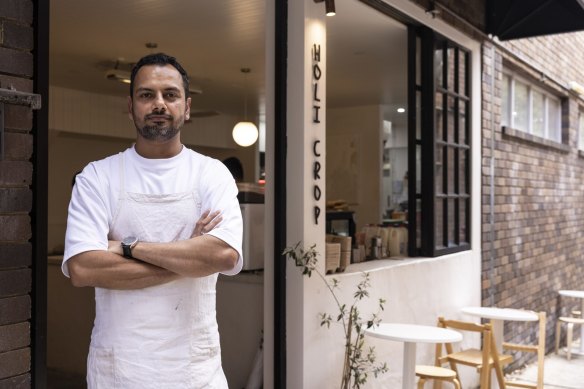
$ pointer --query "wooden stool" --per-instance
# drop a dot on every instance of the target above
(570, 321)
(436, 373)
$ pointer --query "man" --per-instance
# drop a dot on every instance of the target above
(136, 231)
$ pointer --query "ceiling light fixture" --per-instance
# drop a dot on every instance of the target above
(329, 6)
(245, 133)
(125, 77)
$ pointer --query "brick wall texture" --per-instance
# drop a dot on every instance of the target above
(16, 71)
(533, 236)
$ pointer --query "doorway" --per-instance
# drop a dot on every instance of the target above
(88, 121)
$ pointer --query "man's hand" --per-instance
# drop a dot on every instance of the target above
(206, 223)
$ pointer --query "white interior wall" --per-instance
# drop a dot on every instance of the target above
(353, 160)
(103, 115)
(416, 290)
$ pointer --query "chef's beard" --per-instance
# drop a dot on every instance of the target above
(158, 133)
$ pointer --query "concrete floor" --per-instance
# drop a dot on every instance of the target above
(559, 373)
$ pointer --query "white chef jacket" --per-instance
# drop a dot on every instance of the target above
(163, 336)
(96, 192)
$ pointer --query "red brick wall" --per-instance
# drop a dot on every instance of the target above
(16, 71)
(537, 236)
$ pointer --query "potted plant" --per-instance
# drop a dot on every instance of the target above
(358, 362)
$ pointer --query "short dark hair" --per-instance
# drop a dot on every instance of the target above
(160, 59)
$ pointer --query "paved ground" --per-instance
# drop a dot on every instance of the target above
(559, 373)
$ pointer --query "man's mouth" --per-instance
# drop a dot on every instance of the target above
(158, 118)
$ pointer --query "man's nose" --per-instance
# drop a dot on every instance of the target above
(159, 103)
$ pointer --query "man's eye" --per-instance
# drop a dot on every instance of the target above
(171, 95)
(146, 95)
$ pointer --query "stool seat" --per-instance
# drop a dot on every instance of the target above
(426, 371)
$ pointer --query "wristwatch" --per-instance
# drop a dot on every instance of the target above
(128, 244)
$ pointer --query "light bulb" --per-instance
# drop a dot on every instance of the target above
(245, 133)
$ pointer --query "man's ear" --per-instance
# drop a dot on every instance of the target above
(188, 109)
(130, 108)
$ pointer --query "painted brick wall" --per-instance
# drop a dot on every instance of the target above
(533, 247)
(16, 71)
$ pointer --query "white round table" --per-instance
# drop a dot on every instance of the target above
(411, 334)
(497, 316)
(576, 294)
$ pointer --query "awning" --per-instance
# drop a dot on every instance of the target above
(512, 19)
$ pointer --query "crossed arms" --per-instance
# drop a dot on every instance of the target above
(157, 263)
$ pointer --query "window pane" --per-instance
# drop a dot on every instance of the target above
(505, 101)
(462, 163)
(439, 120)
(554, 121)
(439, 170)
(521, 107)
(451, 187)
(418, 223)
(439, 222)
(450, 120)
(452, 232)
(451, 62)
(538, 115)
(438, 66)
(418, 169)
(463, 206)
(418, 115)
(462, 56)
(462, 110)
(418, 61)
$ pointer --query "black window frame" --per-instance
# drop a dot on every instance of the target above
(424, 239)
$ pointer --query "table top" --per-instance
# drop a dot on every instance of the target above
(572, 293)
(501, 313)
(414, 333)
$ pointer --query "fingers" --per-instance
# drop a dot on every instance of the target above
(212, 224)
(206, 222)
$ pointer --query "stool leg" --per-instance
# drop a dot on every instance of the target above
(421, 383)
(456, 383)
(558, 334)
(569, 340)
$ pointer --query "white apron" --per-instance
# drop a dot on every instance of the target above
(163, 336)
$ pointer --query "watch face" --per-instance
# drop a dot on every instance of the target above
(128, 241)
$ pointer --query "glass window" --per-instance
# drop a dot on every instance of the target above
(451, 137)
(442, 222)
(527, 108)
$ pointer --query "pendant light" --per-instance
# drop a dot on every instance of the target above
(245, 133)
